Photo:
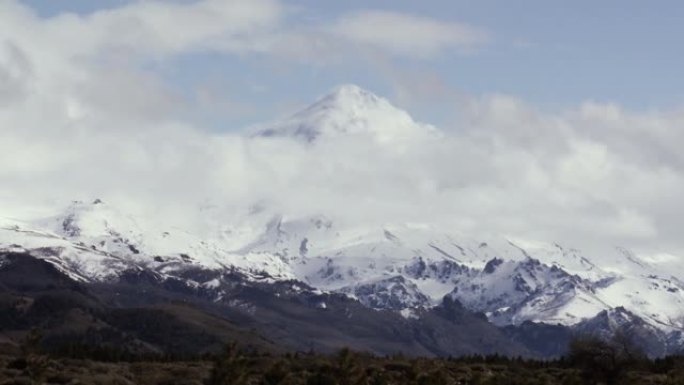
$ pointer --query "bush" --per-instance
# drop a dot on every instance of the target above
(604, 361)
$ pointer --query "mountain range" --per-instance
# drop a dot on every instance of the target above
(91, 272)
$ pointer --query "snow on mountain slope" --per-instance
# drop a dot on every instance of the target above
(95, 241)
(394, 267)
(511, 284)
(511, 292)
(349, 110)
(75, 259)
(398, 266)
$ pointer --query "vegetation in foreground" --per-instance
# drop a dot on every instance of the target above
(590, 361)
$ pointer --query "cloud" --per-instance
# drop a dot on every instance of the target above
(372, 37)
(82, 115)
(152, 28)
(15, 73)
(406, 34)
(106, 64)
(81, 70)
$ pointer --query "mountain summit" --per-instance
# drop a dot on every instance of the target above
(349, 110)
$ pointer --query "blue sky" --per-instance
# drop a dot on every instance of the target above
(549, 53)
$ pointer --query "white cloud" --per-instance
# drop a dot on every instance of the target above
(372, 37)
(77, 122)
(152, 28)
(15, 73)
(81, 70)
(405, 34)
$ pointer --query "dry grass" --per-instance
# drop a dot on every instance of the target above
(41, 370)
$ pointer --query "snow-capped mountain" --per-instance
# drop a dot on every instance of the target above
(349, 110)
(397, 266)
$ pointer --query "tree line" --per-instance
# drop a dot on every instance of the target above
(590, 360)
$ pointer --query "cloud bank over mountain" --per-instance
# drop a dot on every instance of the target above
(85, 113)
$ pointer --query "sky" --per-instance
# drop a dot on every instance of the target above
(558, 122)
(552, 54)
